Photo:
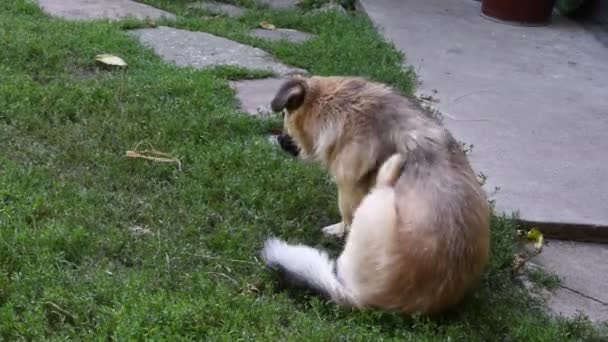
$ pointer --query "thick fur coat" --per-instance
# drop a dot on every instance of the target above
(416, 216)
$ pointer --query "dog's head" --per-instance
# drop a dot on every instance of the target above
(293, 100)
(310, 105)
(305, 104)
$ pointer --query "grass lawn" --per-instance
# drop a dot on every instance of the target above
(96, 246)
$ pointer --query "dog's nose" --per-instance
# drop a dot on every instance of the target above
(288, 145)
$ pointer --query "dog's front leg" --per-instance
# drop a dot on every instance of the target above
(349, 198)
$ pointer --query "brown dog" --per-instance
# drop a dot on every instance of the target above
(418, 218)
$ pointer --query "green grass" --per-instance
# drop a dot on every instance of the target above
(544, 279)
(71, 265)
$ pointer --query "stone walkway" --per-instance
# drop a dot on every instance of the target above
(106, 9)
(201, 50)
(279, 34)
(280, 3)
(218, 8)
(196, 49)
(255, 95)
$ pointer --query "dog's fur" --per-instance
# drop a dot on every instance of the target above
(418, 218)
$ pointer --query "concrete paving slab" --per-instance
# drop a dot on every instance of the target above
(583, 271)
(101, 9)
(278, 34)
(218, 8)
(330, 6)
(255, 96)
(566, 303)
(582, 267)
(201, 50)
(281, 4)
(532, 101)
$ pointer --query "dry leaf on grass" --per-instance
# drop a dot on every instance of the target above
(110, 60)
(537, 238)
(267, 26)
(519, 262)
(533, 236)
(153, 155)
(139, 231)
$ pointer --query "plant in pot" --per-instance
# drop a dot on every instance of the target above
(528, 12)
(569, 7)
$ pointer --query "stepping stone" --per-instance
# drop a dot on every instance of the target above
(330, 6)
(218, 8)
(278, 34)
(254, 96)
(280, 4)
(273, 139)
(202, 50)
(583, 272)
(101, 9)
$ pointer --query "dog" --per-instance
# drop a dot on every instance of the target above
(288, 145)
(416, 216)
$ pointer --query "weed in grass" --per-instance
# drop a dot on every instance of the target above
(543, 278)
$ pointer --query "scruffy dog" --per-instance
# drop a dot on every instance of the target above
(416, 216)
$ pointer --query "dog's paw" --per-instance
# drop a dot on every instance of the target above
(335, 230)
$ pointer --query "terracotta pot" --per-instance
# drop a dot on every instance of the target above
(521, 11)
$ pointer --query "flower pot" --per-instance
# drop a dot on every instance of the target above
(531, 12)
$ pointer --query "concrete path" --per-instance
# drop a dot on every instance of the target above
(218, 8)
(105, 9)
(201, 50)
(280, 3)
(197, 49)
(532, 101)
(255, 95)
(583, 271)
(281, 33)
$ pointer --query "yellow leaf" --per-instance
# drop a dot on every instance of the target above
(537, 237)
(534, 234)
(111, 60)
(267, 26)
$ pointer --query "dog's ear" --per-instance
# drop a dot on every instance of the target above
(290, 96)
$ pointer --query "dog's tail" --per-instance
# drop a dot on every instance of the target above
(307, 267)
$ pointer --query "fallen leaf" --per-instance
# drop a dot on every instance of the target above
(536, 236)
(139, 230)
(267, 26)
(153, 155)
(111, 60)
(519, 262)
(428, 98)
